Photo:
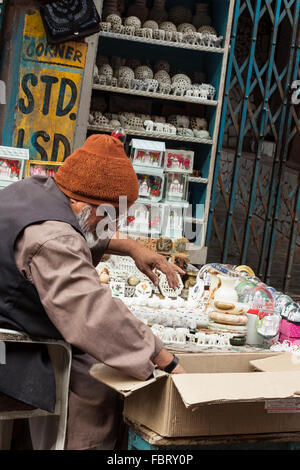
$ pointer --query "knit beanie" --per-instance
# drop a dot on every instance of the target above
(99, 172)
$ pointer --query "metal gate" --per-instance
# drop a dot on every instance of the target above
(255, 204)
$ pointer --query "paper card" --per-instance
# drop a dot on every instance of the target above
(117, 289)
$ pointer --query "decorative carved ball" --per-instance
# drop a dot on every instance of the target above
(162, 65)
(106, 70)
(105, 26)
(168, 26)
(125, 72)
(162, 77)
(185, 132)
(203, 134)
(134, 123)
(143, 72)
(180, 14)
(179, 121)
(198, 123)
(114, 123)
(207, 29)
(151, 24)
(187, 28)
(100, 120)
(118, 28)
(133, 21)
(114, 19)
(181, 77)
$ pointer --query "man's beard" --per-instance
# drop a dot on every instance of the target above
(82, 219)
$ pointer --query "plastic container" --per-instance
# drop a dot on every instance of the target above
(146, 153)
(179, 161)
(176, 186)
(151, 183)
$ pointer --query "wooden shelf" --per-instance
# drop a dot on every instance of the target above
(153, 135)
(157, 42)
(162, 96)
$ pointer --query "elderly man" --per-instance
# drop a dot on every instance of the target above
(50, 288)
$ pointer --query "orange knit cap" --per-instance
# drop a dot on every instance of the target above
(99, 172)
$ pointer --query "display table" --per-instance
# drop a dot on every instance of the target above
(142, 438)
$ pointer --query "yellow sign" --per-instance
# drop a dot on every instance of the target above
(49, 92)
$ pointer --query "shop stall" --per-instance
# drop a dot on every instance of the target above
(158, 71)
(238, 341)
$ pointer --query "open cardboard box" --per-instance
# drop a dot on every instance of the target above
(221, 394)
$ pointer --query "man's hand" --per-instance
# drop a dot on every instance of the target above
(164, 358)
(147, 260)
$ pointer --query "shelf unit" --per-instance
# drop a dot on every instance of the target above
(161, 96)
(157, 42)
(153, 135)
(187, 58)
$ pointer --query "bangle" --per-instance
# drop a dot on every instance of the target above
(170, 367)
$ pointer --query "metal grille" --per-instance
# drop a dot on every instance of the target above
(254, 212)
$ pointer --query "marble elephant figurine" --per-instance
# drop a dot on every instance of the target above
(179, 89)
(136, 84)
(150, 85)
(190, 38)
(149, 125)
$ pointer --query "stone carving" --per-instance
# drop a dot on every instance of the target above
(129, 30)
(162, 77)
(168, 26)
(187, 28)
(149, 125)
(159, 34)
(133, 21)
(105, 26)
(190, 38)
(143, 73)
(114, 19)
(102, 80)
(179, 88)
(146, 33)
(198, 123)
(165, 88)
(150, 85)
(177, 36)
(134, 123)
(137, 84)
(151, 24)
(125, 72)
(106, 70)
(118, 28)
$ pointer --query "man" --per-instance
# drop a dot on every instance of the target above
(49, 288)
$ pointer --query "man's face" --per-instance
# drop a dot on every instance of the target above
(86, 215)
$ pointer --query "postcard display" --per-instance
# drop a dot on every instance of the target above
(159, 73)
(12, 165)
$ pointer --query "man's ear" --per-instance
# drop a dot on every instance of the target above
(72, 201)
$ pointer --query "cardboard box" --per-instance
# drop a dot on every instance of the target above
(221, 394)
